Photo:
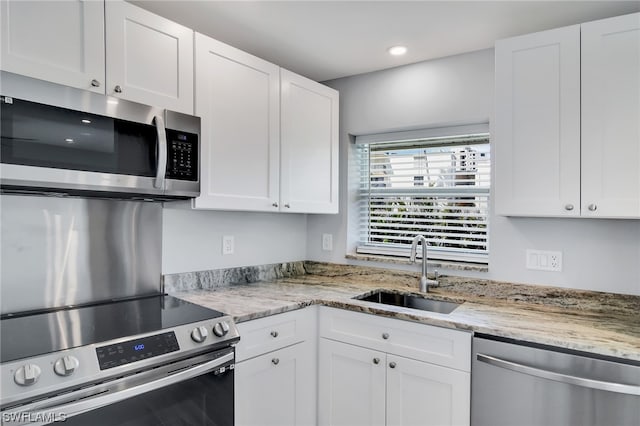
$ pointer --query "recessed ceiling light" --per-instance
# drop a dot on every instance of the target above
(68, 140)
(85, 121)
(397, 50)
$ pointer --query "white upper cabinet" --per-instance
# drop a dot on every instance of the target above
(566, 133)
(149, 58)
(537, 124)
(61, 42)
(611, 117)
(309, 145)
(269, 136)
(238, 99)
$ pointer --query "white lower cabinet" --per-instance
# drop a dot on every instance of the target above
(380, 384)
(419, 393)
(276, 388)
(276, 370)
(351, 385)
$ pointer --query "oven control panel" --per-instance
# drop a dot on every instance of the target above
(136, 349)
(53, 372)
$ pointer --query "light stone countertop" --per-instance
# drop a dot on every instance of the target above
(601, 323)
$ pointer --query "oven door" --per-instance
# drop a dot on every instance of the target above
(198, 391)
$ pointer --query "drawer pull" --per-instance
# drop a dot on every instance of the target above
(385, 336)
(274, 334)
(376, 361)
(275, 361)
(392, 365)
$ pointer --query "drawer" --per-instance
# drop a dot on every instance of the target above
(268, 334)
(436, 345)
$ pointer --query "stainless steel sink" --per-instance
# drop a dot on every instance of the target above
(409, 301)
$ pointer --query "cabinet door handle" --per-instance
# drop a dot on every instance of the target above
(275, 361)
(288, 206)
(274, 333)
(568, 207)
(275, 204)
(95, 83)
(376, 361)
(117, 89)
(385, 336)
(392, 365)
(592, 207)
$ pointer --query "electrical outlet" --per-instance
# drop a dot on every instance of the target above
(327, 242)
(544, 260)
(555, 260)
(227, 244)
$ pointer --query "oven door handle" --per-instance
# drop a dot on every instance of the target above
(161, 173)
(112, 396)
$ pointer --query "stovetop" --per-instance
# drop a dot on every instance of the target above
(43, 333)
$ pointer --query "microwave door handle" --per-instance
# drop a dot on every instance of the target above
(161, 159)
(120, 393)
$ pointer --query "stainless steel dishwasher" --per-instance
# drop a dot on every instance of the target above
(516, 384)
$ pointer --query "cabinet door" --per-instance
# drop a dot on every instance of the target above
(149, 58)
(238, 99)
(309, 146)
(610, 116)
(351, 385)
(61, 42)
(537, 124)
(277, 388)
(423, 394)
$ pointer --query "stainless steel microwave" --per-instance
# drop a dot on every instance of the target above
(95, 145)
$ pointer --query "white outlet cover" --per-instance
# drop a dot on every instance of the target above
(228, 244)
(327, 242)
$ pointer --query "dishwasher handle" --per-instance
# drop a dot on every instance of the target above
(559, 377)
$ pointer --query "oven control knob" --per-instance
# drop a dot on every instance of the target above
(27, 375)
(199, 334)
(66, 365)
(221, 328)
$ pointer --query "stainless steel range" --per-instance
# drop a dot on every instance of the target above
(153, 360)
(87, 334)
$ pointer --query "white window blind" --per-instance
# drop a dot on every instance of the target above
(434, 186)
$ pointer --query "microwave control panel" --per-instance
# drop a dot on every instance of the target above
(182, 153)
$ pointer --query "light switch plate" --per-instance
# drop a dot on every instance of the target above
(542, 260)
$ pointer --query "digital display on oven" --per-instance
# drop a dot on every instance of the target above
(136, 350)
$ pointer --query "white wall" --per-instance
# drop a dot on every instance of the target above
(192, 239)
(597, 254)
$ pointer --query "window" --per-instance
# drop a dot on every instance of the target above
(435, 183)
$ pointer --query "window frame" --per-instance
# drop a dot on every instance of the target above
(433, 137)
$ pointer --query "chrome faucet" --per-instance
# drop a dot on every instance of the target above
(424, 282)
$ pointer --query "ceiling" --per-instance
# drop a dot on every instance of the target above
(324, 40)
